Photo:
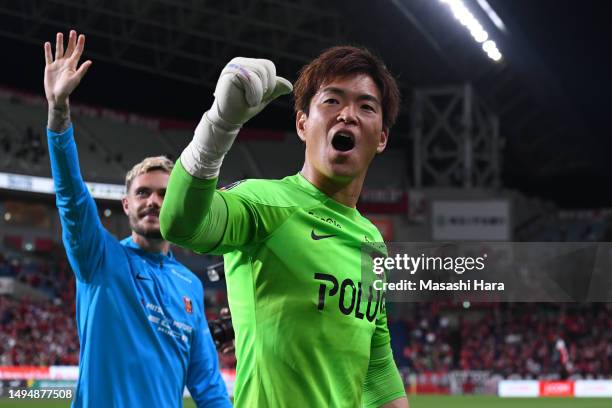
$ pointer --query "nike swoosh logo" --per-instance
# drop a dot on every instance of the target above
(318, 237)
(141, 277)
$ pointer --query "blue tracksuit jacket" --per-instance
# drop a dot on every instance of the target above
(140, 316)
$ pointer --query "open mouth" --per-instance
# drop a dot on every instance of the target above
(343, 141)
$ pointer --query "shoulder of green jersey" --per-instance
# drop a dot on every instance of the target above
(270, 192)
(375, 231)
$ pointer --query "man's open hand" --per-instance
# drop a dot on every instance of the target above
(61, 73)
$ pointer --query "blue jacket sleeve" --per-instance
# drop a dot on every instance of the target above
(82, 232)
(204, 380)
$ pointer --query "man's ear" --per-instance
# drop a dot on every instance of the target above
(124, 204)
(382, 142)
(300, 124)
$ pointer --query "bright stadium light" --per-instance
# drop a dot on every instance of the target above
(471, 23)
(480, 35)
(492, 15)
(491, 49)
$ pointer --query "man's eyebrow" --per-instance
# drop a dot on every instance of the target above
(342, 92)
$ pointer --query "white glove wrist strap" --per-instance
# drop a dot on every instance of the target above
(212, 139)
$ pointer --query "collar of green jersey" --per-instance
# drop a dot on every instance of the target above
(306, 185)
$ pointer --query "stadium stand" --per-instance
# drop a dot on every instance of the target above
(36, 333)
(110, 142)
(42, 332)
(429, 341)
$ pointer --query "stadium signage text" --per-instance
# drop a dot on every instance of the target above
(533, 388)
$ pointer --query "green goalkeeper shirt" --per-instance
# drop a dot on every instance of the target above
(305, 328)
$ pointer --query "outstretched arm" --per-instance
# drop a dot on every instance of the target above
(81, 227)
(193, 215)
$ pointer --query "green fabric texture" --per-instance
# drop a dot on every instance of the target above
(305, 328)
(193, 215)
(382, 383)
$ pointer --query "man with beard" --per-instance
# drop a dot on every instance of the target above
(308, 332)
(140, 313)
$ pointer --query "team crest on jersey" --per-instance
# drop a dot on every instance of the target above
(230, 186)
(188, 305)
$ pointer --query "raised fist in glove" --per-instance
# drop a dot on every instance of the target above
(244, 88)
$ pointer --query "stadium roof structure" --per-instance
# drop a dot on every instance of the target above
(186, 43)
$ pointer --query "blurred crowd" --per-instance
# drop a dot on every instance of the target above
(513, 340)
(37, 333)
(49, 274)
(510, 340)
(43, 332)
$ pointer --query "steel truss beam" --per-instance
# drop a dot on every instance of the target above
(186, 40)
(455, 138)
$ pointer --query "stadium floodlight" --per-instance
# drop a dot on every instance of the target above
(492, 15)
(471, 23)
(491, 49)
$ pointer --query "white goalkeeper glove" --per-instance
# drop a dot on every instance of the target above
(244, 88)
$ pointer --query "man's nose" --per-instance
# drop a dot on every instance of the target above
(347, 114)
(155, 200)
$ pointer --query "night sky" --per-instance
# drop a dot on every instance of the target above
(572, 40)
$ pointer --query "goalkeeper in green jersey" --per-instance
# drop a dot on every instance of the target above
(306, 333)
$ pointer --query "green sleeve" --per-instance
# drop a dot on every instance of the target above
(382, 383)
(196, 216)
(381, 334)
(193, 214)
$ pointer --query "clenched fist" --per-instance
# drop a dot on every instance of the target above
(244, 88)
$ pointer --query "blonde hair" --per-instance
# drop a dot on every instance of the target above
(148, 164)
